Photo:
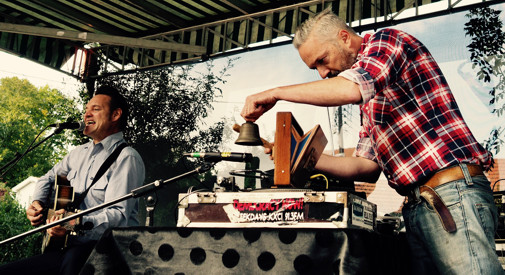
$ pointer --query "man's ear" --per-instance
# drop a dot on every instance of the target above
(345, 36)
(116, 114)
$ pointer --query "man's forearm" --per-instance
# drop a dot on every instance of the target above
(335, 91)
(349, 168)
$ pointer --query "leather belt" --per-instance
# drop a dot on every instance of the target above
(441, 209)
(427, 191)
(451, 174)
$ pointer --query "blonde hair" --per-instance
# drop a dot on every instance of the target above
(326, 25)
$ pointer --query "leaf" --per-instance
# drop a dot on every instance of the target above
(486, 48)
(24, 112)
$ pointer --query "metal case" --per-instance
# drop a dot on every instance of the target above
(298, 208)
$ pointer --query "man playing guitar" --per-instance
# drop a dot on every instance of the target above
(105, 118)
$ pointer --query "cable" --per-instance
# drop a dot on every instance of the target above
(494, 184)
(321, 175)
(331, 132)
(185, 196)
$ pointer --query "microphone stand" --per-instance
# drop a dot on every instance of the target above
(133, 194)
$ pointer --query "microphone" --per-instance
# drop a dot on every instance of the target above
(74, 125)
(218, 156)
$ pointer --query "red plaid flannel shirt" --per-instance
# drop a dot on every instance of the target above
(411, 124)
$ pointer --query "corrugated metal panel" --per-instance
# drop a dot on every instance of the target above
(217, 26)
(51, 52)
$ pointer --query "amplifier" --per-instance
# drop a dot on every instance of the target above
(292, 208)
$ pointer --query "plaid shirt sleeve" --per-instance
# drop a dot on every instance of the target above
(379, 64)
(364, 81)
(364, 149)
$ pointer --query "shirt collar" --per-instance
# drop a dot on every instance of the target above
(108, 142)
(363, 44)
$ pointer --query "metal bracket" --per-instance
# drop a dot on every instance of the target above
(206, 197)
(151, 201)
(342, 198)
(314, 197)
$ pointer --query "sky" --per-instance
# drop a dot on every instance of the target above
(38, 75)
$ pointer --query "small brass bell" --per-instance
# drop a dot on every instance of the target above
(249, 135)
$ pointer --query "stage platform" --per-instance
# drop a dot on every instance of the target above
(151, 250)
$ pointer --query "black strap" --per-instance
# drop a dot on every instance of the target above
(106, 164)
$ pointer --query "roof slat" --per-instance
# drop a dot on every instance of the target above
(139, 34)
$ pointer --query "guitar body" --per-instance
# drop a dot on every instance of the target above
(64, 196)
(50, 243)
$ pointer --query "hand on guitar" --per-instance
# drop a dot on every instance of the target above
(56, 236)
(56, 231)
(34, 213)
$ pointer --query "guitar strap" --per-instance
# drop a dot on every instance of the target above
(106, 164)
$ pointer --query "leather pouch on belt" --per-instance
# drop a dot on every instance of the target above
(438, 204)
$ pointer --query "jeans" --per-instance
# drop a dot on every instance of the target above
(469, 250)
(68, 261)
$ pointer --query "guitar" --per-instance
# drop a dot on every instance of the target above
(63, 198)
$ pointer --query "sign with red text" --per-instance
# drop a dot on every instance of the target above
(275, 210)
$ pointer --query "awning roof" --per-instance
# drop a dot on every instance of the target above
(141, 34)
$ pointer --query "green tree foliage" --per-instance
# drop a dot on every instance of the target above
(24, 112)
(487, 55)
(167, 112)
(13, 222)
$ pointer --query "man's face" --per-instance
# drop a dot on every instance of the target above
(328, 57)
(100, 120)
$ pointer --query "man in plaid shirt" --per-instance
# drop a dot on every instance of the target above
(412, 131)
